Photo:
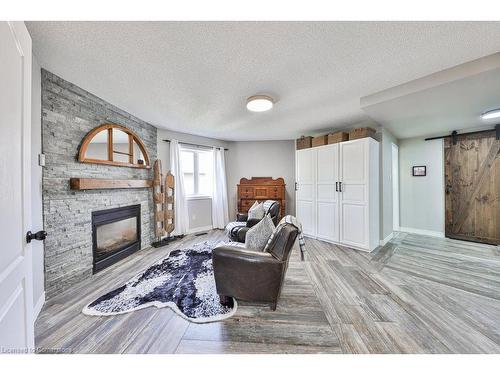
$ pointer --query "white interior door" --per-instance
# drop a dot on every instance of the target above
(305, 174)
(16, 300)
(327, 204)
(354, 193)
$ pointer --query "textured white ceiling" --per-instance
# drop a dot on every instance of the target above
(455, 105)
(194, 77)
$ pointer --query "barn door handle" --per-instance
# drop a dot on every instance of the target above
(40, 236)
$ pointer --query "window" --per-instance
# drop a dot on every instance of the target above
(113, 144)
(197, 167)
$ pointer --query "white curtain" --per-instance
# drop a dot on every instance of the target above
(220, 211)
(181, 212)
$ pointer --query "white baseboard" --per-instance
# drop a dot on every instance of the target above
(387, 239)
(366, 250)
(39, 305)
(424, 232)
(199, 229)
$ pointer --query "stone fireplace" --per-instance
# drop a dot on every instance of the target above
(69, 113)
(116, 233)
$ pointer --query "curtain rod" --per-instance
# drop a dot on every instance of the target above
(194, 144)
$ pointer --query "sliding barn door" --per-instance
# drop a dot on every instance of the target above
(472, 173)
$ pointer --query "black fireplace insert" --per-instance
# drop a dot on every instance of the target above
(116, 233)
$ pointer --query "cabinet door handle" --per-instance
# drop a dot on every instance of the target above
(336, 186)
(340, 186)
(296, 187)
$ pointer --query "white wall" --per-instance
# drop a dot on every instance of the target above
(36, 186)
(200, 214)
(199, 210)
(261, 159)
(421, 198)
(243, 159)
(273, 159)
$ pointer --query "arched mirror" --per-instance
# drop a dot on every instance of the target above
(113, 144)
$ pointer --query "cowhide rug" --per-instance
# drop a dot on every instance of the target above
(184, 281)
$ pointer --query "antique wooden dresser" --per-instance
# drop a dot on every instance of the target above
(261, 189)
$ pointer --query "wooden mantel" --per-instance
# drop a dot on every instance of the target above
(99, 183)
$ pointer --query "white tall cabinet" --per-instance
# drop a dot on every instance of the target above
(337, 193)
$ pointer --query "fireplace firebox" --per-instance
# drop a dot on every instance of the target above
(116, 233)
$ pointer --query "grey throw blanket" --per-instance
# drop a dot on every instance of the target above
(292, 220)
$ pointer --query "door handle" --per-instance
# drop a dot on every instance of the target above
(340, 186)
(336, 186)
(296, 187)
(40, 236)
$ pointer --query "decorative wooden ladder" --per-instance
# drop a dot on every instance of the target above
(164, 205)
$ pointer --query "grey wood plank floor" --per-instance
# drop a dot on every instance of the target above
(417, 294)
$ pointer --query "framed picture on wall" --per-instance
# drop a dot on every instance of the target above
(419, 170)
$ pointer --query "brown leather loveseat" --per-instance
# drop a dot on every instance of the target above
(253, 275)
(238, 233)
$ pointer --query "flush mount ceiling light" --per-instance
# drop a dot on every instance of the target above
(259, 103)
(495, 113)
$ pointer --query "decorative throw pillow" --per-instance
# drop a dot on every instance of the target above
(256, 211)
(255, 204)
(257, 236)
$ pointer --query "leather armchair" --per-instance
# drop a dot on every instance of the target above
(253, 275)
(238, 234)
